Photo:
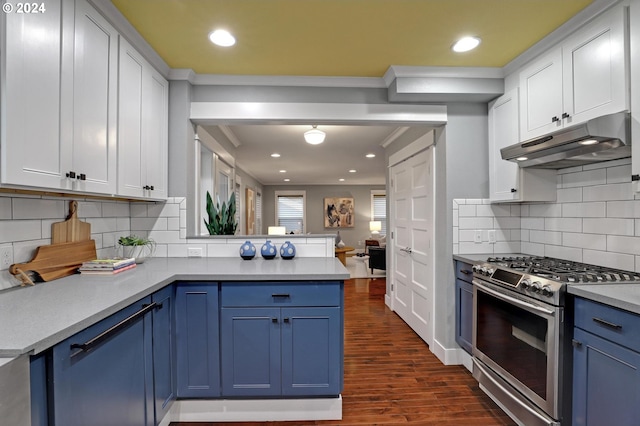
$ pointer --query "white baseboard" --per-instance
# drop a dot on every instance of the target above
(387, 301)
(455, 356)
(230, 410)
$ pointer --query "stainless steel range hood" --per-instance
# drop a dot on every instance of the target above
(600, 139)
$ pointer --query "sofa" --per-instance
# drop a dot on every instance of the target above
(377, 258)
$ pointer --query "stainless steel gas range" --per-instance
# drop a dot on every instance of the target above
(522, 332)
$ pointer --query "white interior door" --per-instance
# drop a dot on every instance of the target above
(412, 224)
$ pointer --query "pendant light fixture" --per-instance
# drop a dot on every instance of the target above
(314, 136)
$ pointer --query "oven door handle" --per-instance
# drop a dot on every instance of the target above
(513, 300)
(488, 375)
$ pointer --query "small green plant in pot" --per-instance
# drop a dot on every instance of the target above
(138, 247)
(222, 219)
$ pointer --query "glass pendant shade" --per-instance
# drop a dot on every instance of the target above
(314, 136)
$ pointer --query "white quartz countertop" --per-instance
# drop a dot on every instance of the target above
(36, 318)
(623, 296)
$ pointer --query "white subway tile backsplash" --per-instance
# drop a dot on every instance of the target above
(545, 210)
(25, 250)
(595, 209)
(102, 224)
(612, 192)
(607, 164)
(507, 247)
(630, 208)
(166, 237)
(90, 209)
(35, 208)
(5, 208)
(610, 259)
(19, 230)
(532, 223)
(584, 178)
(563, 224)
(173, 223)
(560, 252)
(475, 223)
(465, 235)
(515, 210)
(116, 210)
(545, 237)
(467, 210)
(591, 241)
(163, 210)
(533, 249)
(507, 222)
(619, 174)
(149, 224)
(138, 209)
(607, 226)
(475, 248)
(622, 244)
(569, 195)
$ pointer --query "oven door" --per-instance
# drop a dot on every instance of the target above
(517, 341)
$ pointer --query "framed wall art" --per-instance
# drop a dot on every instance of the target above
(339, 212)
(250, 213)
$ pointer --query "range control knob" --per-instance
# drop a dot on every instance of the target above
(546, 290)
(536, 287)
(525, 283)
(490, 271)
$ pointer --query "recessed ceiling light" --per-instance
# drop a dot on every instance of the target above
(283, 171)
(352, 171)
(275, 155)
(588, 142)
(370, 155)
(222, 38)
(341, 179)
(287, 180)
(465, 44)
(522, 158)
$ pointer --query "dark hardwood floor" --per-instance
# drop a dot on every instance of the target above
(391, 377)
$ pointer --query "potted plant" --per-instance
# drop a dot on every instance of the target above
(138, 247)
(222, 219)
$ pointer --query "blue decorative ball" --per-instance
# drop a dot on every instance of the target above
(247, 250)
(287, 250)
(268, 250)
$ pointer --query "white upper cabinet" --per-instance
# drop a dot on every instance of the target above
(508, 182)
(585, 77)
(95, 80)
(143, 129)
(30, 119)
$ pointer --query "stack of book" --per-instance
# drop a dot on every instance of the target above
(107, 266)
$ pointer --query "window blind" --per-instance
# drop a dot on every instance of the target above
(380, 211)
(291, 213)
(259, 213)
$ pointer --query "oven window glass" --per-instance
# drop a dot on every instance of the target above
(515, 339)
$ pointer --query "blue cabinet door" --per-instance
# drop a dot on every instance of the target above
(197, 340)
(106, 383)
(311, 351)
(164, 358)
(606, 382)
(250, 342)
(464, 314)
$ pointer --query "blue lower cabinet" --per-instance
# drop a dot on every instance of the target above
(311, 351)
(197, 340)
(250, 342)
(102, 375)
(164, 356)
(606, 382)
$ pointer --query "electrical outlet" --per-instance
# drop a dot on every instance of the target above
(477, 236)
(6, 257)
(492, 236)
(194, 252)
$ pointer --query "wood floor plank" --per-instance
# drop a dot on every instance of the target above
(391, 377)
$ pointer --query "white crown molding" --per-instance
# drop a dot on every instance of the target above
(393, 136)
(562, 32)
(126, 30)
(396, 71)
(182, 74)
(275, 80)
(233, 138)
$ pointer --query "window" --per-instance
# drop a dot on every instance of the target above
(290, 211)
(379, 208)
(239, 229)
(259, 214)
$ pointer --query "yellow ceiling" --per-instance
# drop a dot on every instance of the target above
(358, 38)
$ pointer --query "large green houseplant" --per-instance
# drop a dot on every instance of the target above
(222, 219)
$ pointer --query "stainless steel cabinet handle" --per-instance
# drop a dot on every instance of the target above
(89, 344)
(466, 271)
(607, 323)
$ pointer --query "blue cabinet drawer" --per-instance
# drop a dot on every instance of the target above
(463, 271)
(307, 293)
(613, 324)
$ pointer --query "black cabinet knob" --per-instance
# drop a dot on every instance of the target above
(565, 115)
(554, 119)
(635, 178)
(71, 175)
(514, 190)
(82, 176)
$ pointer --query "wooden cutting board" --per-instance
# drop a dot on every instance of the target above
(72, 229)
(57, 260)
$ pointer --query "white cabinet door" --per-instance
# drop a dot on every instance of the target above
(503, 131)
(508, 182)
(143, 129)
(31, 150)
(156, 141)
(584, 78)
(594, 70)
(541, 97)
(94, 101)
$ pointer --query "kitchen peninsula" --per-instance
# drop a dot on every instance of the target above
(203, 295)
